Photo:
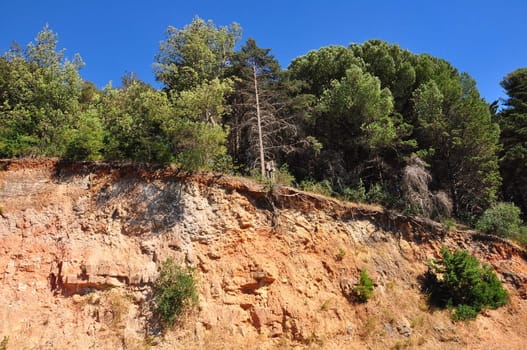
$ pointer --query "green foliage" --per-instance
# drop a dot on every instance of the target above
(377, 104)
(86, 142)
(132, 117)
(513, 123)
(521, 238)
(223, 164)
(364, 290)
(348, 117)
(39, 100)
(175, 290)
(502, 219)
(459, 280)
(204, 102)
(464, 312)
(357, 194)
(198, 52)
(196, 145)
(318, 68)
(283, 176)
(391, 64)
(449, 224)
(377, 194)
(323, 187)
(449, 111)
(356, 100)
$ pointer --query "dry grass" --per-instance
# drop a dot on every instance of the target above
(117, 306)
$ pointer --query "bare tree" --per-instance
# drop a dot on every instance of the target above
(260, 123)
(415, 186)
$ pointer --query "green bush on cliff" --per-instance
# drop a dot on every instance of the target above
(460, 281)
(502, 219)
(364, 290)
(175, 290)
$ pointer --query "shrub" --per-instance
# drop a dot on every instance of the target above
(464, 312)
(340, 254)
(224, 164)
(522, 236)
(118, 306)
(174, 291)
(459, 280)
(502, 219)
(379, 194)
(355, 194)
(323, 187)
(283, 176)
(364, 290)
(86, 142)
(449, 224)
(3, 343)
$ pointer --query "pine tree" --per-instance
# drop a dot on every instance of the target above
(513, 123)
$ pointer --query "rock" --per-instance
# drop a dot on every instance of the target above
(203, 264)
(214, 254)
(346, 286)
(248, 288)
(263, 317)
(276, 330)
(138, 297)
(20, 224)
(176, 244)
(199, 331)
(240, 303)
(246, 224)
(388, 329)
(11, 267)
(190, 258)
(148, 247)
(231, 300)
(404, 330)
(263, 277)
(113, 282)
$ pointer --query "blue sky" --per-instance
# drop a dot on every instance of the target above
(484, 38)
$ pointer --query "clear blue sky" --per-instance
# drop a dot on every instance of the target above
(485, 38)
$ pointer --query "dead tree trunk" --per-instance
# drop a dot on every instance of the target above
(259, 121)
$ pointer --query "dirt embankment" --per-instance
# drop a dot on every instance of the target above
(80, 245)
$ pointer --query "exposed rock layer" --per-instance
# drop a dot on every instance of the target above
(80, 245)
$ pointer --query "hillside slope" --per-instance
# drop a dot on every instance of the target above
(80, 245)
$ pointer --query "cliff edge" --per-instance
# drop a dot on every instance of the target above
(80, 245)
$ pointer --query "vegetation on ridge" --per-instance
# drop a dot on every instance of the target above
(370, 121)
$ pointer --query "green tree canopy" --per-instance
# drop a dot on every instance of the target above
(40, 97)
(513, 123)
(200, 51)
(133, 117)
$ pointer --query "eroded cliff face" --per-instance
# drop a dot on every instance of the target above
(80, 245)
